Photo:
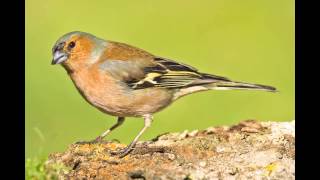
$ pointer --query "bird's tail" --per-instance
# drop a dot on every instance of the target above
(229, 85)
(213, 82)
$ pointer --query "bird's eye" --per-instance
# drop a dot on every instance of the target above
(71, 45)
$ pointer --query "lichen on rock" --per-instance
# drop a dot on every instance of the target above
(249, 150)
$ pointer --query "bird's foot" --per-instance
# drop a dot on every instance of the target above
(99, 139)
(122, 152)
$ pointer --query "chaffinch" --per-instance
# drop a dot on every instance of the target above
(125, 81)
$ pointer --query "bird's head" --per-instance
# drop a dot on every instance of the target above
(77, 49)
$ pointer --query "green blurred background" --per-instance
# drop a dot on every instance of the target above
(245, 40)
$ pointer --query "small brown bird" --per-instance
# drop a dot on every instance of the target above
(125, 81)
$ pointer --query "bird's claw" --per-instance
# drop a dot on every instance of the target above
(87, 142)
(94, 141)
(98, 139)
(122, 152)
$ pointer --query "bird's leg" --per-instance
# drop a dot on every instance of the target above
(99, 138)
(119, 122)
(127, 150)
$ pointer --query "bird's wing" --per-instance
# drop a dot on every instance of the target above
(171, 74)
(139, 69)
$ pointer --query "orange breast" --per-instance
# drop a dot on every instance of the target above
(114, 98)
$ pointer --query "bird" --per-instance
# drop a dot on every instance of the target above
(125, 81)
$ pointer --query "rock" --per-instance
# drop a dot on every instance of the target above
(249, 150)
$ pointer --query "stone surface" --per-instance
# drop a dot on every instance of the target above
(249, 150)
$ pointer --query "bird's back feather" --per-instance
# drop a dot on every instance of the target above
(139, 69)
(171, 75)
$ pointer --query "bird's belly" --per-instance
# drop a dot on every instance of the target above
(135, 103)
(120, 101)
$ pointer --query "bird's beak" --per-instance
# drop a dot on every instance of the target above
(59, 55)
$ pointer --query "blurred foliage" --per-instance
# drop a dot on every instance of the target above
(244, 40)
(35, 169)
